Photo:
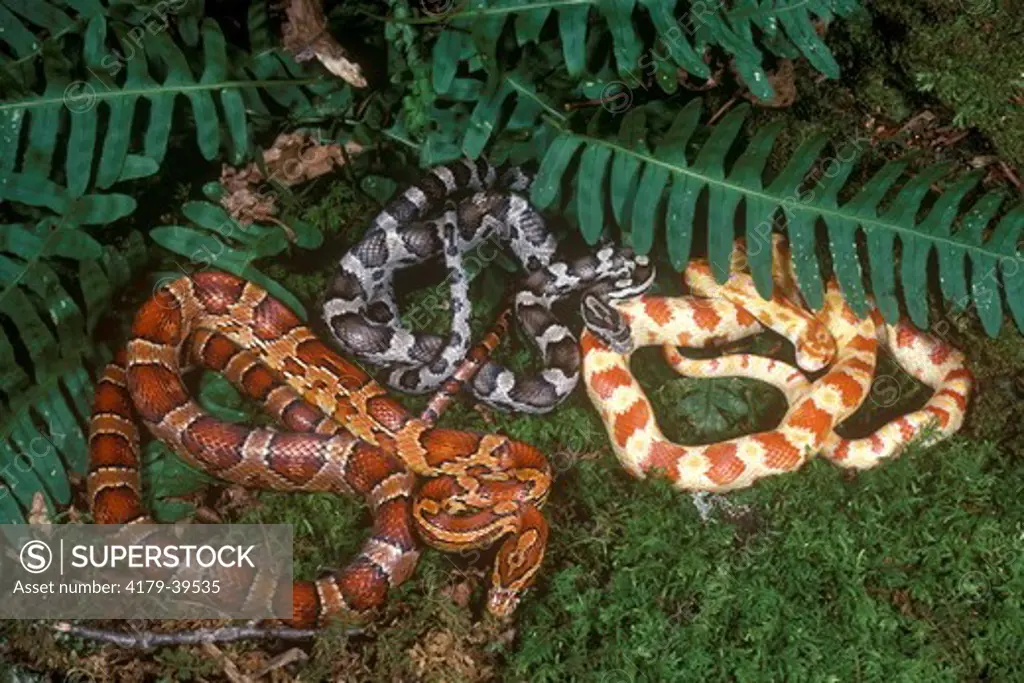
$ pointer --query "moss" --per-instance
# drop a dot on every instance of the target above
(327, 527)
(905, 57)
(997, 413)
(187, 664)
(967, 53)
(342, 210)
(904, 573)
(909, 572)
(877, 91)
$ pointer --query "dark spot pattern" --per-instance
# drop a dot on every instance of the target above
(352, 331)
(372, 251)
(439, 218)
(345, 285)
(433, 187)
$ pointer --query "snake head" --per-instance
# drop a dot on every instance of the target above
(604, 321)
(502, 602)
(816, 349)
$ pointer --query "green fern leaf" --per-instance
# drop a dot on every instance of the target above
(24, 21)
(45, 392)
(649, 185)
(683, 32)
(120, 69)
(218, 241)
(89, 209)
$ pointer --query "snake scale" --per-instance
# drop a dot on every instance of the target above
(834, 339)
(451, 210)
(459, 490)
(345, 434)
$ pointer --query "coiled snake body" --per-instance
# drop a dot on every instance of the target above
(424, 222)
(833, 338)
(345, 435)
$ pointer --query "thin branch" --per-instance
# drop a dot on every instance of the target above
(144, 640)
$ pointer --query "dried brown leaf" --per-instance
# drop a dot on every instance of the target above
(305, 34)
(293, 158)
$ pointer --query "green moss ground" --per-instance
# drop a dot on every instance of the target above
(910, 572)
(913, 571)
(966, 54)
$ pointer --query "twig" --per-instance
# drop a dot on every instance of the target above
(725, 107)
(281, 661)
(950, 141)
(231, 671)
(145, 640)
(1010, 175)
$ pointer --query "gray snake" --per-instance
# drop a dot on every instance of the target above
(449, 211)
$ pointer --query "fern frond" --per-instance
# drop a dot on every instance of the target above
(48, 314)
(119, 69)
(745, 30)
(660, 184)
(83, 209)
(515, 92)
(31, 25)
(505, 115)
(218, 241)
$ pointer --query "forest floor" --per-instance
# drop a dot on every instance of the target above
(912, 571)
